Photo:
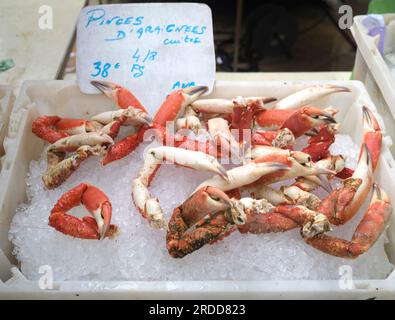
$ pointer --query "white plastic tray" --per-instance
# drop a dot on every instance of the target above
(64, 99)
(6, 100)
(371, 69)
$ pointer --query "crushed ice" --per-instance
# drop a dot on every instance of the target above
(139, 253)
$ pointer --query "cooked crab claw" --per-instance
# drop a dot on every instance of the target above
(130, 116)
(72, 143)
(308, 95)
(372, 135)
(176, 102)
(191, 159)
(243, 175)
(369, 229)
(204, 201)
(121, 96)
(326, 117)
(97, 226)
(306, 118)
(192, 93)
(97, 203)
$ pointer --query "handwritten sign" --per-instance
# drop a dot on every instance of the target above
(152, 49)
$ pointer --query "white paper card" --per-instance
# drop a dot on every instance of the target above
(152, 49)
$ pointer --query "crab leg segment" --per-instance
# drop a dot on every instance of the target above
(261, 217)
(368, 231)
(308, 95)
(96, 202)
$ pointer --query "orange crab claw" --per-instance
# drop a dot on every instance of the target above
(343, 203)
(306, 118)
(96, 202)
(298, 121)
(176, 102)
(368, 231)
(122, 97)
(319, 144)
(53, 128)
(204, 201)
(372, 136)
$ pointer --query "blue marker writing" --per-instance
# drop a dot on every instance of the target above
(120, 35)
(95, 14)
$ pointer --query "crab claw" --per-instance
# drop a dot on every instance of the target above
(191, 159)
(176, 102)
(97, 203)
(122, 97)
(130, 116)
(371, 226)
(243, 175)
(204, 201)
(343, 203)
(192, 93)
(308, 95)
(320, 116)
(372, 136)
(72, 143)
(306, 118)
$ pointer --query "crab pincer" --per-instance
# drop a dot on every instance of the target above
(367, 232)
(53, 128)
(148, 205)
(96, 226)
(308, 95)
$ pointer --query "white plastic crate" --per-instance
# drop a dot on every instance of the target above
(371, 69)
(6, 100)
(64, 99)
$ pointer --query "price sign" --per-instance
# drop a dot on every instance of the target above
(152, 49)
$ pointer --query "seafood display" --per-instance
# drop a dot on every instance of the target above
(262, 181)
